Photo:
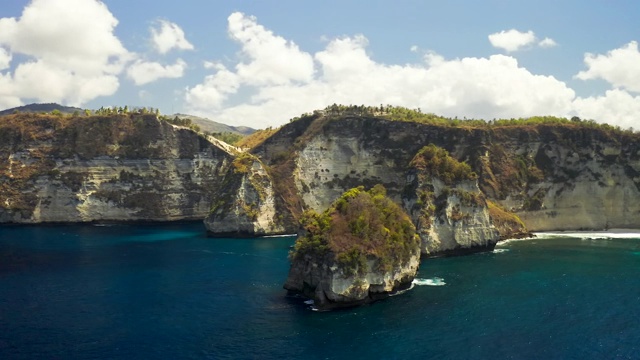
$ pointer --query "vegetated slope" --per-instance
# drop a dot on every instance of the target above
(211, 126)
(42, 108)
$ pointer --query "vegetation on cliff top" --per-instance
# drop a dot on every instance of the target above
(399, 113)
(358, 226)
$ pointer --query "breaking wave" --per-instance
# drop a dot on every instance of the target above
(435, 281)
(591, 235)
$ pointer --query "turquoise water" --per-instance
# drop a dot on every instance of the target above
(168, 292)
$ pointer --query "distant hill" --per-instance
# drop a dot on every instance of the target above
(39, 108)
(215, 127)
(204, 123)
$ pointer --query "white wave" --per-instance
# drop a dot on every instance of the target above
(592, 235)
(508, 241)
(436, 281)
(309, 302)
(499, 251)
(278, 236)
(400, 292)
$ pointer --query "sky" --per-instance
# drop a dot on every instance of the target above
(260, 63)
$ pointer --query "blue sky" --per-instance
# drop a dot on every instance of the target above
(259, 63)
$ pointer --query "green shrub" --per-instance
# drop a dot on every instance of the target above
(433, 161)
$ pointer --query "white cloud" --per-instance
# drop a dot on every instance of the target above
(344, 73)
(211, 65)
(7, 99)
(215, 89)
(169, 36)
(73, 54)
(267, 58)
(616, 107)
(48, 83)
(547, 43)
(512, 40)
(619, 67)
(5, 58)
(144, 95)
(144, 72)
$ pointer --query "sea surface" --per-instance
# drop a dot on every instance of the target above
(169, 292)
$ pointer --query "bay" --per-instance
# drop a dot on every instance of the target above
(161, 291)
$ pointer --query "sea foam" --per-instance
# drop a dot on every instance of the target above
(592, 235)
(435, 281)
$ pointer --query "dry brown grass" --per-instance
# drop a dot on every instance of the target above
(255, 139)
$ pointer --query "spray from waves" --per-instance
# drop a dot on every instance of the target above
(592, 235)
(435, 281)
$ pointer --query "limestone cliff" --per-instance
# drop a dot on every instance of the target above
(330, 286)
(321, 157)
(553, 176)
(361, 249)
(245, 204)
(564, 177)
(446, 205)
(105, 168)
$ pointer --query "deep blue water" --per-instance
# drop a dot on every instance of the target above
(168, 292)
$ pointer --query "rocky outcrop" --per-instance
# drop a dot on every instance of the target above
(330, 286)
(361, 249)
(449, 210)
(245, 204)
(117, 168)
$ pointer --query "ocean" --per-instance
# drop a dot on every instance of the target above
(166, 291)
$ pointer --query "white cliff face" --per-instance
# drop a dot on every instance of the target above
(327, 166)
(247, 206)
(109, 189)
(331, 287)
(454, 222)
(585, 186)
(595, 195)
(52, 183)
(586, 205)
